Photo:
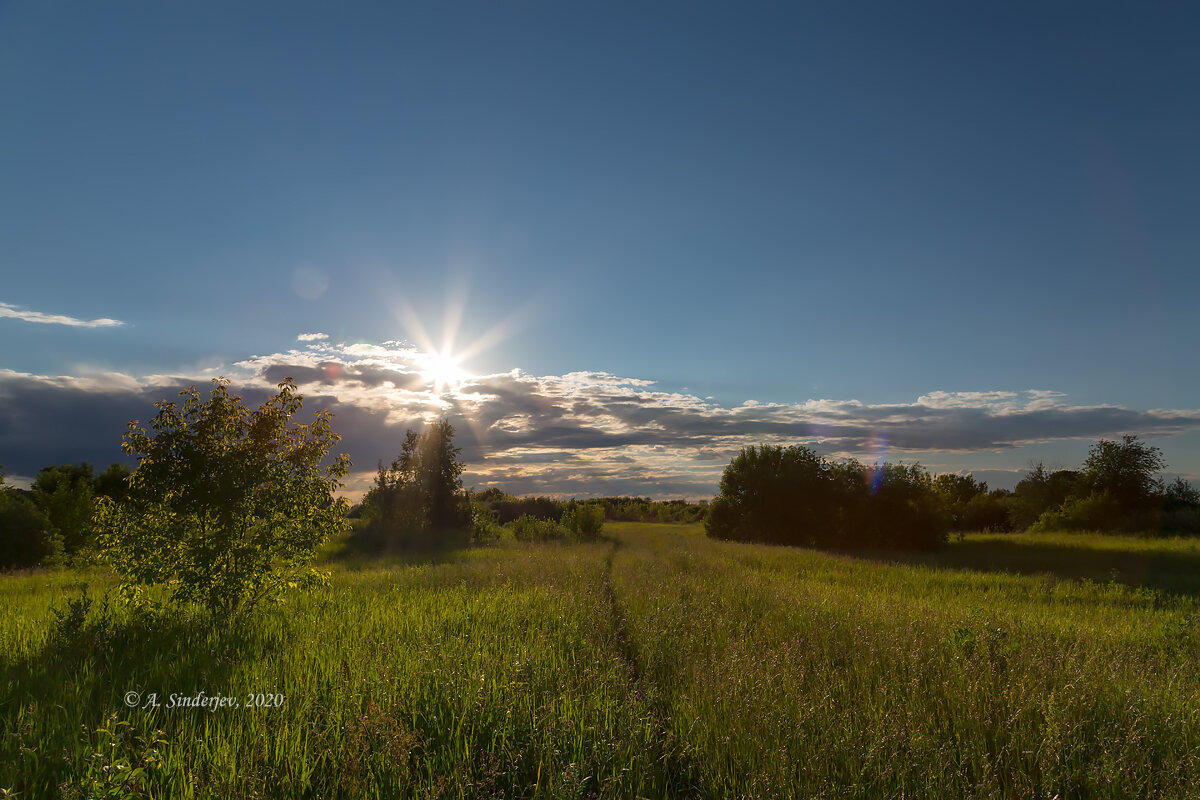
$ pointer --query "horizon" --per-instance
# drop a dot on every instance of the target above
(612, 246)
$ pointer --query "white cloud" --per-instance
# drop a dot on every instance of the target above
(583, 432)
(13, 312)
(311, 337)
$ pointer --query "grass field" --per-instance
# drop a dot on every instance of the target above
(655, 663)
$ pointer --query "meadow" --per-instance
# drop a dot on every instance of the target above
(652, 663)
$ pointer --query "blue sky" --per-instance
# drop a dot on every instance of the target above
(967, 233)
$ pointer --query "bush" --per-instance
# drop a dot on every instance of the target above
(1096, 512)
(987, 512)
(528, 528)
(484, 525)
(584, 521)
(1181, 521)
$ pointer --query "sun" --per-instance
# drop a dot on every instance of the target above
(439, 362)
(443, 371)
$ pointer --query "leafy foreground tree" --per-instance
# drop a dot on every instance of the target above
(226, 506)
(419, 499)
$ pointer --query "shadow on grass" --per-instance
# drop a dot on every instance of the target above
(99, 665)
(362, 549)
(1172, 573)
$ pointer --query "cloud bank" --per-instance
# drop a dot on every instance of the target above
(574, 434)
(13, 312)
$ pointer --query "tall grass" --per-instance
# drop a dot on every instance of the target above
(497, 669)
(654, 664)
(828, 676)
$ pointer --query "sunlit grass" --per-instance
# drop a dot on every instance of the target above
(658, 663)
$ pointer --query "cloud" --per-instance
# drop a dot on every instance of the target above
(311, 337)
(13, 312)
(578, 433)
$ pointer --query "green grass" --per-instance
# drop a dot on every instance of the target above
(654, 664)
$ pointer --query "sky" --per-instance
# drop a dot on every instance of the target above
(612, 243)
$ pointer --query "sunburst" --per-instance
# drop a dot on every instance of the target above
(443, 371)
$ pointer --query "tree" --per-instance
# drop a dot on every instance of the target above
(65, 495)
(27, 538)
(903, 510)
(1127, 470)
(113, 482)
(421, 492)
(772, 494)
(583, 520)
(956, 494)
(793, 496)
(1179, 493)
(1181, 507)
(226, 506)
(1041, 491)
(958, 489)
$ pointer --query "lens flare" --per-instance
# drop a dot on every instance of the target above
(876, 447)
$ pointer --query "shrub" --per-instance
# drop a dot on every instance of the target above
(585, 521)
(986, 512)
(1096, 512)
(528, 528)
(484, 526)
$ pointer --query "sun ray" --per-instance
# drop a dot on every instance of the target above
(443, 364)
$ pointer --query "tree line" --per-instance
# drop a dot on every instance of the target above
(52, 522)
(791, 495)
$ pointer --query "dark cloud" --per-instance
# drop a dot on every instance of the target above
(43, 424)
